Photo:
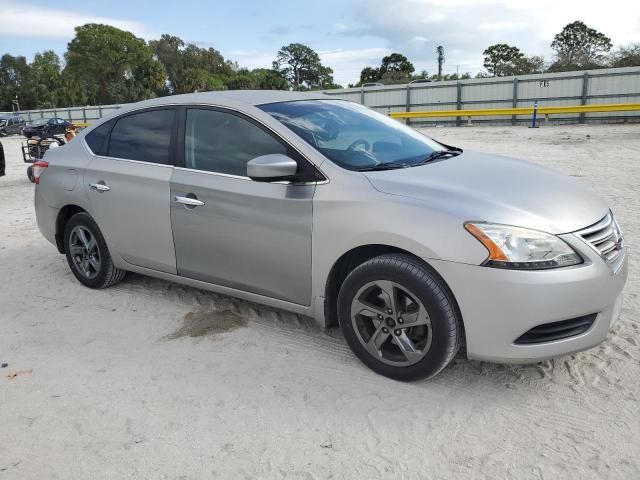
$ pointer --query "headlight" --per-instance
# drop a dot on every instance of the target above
(521, 248)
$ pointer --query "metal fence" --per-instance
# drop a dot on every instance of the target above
(614, 85)
(74, 114)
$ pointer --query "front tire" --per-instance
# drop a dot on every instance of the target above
(87, 253)
(399, 317)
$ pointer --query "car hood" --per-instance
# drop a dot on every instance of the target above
(481, 187)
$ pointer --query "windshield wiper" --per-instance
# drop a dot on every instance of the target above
(384, 166)
(439, 154)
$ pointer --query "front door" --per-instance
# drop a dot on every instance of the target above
(128, 188)
(230, 230)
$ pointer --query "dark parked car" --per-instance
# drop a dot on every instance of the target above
(54, 126)
(11, 124)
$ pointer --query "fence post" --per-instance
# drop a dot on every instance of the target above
(514, 102)
(29, 115)
(407, 107)
(535, 114)
(361, 95)
(69, 113)
(459, 103)
(585, 90)
(84, 115)
(99, 112)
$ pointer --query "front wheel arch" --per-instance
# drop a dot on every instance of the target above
(356, 257)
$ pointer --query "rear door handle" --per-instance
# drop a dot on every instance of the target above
(188, 201)
(100, 187)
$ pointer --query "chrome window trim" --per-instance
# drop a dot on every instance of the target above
(141, 162)
(240, 177)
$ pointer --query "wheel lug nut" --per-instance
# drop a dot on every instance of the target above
(385, 330)
(398, 333)
(401, 320)
(379, 317)
(389, 311)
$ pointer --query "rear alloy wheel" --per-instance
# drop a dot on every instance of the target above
(399, 317)
(87, 253)
(84, 251)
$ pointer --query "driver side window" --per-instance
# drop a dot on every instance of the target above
(222, 142)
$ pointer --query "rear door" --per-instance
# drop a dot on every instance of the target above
(251, 236)
(127, 182)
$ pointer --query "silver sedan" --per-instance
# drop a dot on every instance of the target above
(326, 208)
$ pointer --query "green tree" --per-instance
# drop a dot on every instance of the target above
(579, 47)
(502, 60)
(301, 67)
(396, 63)
(420, 76)
(112, 65)
(169, 51)
(268, 79)
(396, 68)
(628, 56)
(44, 86)
(530, 64)
(14, 75)
(370, 75)
(192, 68)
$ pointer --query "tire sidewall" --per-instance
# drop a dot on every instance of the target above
(86, 221)
(429, 291)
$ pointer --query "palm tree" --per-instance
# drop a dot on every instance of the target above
(440, 52)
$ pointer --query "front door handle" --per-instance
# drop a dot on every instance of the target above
(99, 187)
(188, 201)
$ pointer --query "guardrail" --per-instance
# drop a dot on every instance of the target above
(546, 111)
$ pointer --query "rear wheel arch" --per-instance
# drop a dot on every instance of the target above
(64, 215)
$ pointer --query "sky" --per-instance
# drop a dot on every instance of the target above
(348, 34)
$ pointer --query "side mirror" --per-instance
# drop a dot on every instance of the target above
(271, 168)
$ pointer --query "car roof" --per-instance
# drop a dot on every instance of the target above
(231, 98)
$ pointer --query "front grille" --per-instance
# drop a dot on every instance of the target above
(605, 238)
(549, 332)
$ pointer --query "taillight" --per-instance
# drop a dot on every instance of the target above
(38, 168)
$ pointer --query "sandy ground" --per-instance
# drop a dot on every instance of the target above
(155, 380)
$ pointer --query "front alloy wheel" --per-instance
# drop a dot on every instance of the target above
(399, 317)
(391, 323)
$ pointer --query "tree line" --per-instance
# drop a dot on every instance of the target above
(105, 65)
(576, 47)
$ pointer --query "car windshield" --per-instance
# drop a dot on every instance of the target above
(353, 136)
(3, 122)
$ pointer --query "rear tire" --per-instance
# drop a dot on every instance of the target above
(87, 253)
(399, 317)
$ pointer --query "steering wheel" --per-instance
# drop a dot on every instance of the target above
(357, 142)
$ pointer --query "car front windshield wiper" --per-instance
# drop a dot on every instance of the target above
(384, 166)
(439, 154)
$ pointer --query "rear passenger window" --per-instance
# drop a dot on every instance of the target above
(223, 143)
(144, 136)
(96, 137)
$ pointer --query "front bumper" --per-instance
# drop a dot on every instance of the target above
(498, 306)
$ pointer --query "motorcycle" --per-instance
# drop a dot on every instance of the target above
(35, 148)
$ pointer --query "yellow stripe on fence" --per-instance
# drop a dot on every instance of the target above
(489, 112)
